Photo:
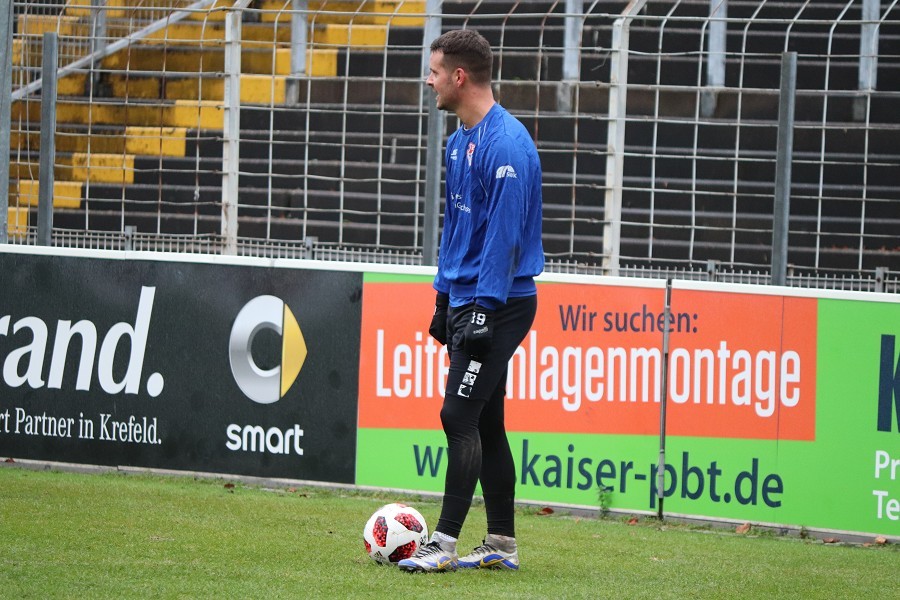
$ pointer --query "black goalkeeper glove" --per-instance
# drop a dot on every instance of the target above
(438, 328)
(478, 332)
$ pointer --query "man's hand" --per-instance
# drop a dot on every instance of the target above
(438, 328)
(478, 332)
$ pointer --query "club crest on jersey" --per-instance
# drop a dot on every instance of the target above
(469, 152)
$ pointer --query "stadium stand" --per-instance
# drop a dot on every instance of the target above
(336, 157)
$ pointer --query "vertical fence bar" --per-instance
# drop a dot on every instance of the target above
(49, 63)
(881, 274)
(784, 153)
(231, 128)
(715, 57)
(5, 111)
(615, 137)
(571, 71)
(615, 147)
(615, 140)
(298, 48)
(433, 154)
(868, 56)
(98, 35)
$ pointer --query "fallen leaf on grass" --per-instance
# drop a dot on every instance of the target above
(745, 528)
(9, 460)
(633, 521)
(545, 511)
(881, 540)
(229, 486)
(831, 540)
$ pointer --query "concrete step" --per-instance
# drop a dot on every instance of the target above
(78, 167)
(182, 59)
(153, 141)
(177, 114)
(17, 220)
(254, 89)
(24, 193)
(395, 13)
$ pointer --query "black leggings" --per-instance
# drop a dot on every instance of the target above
(473, 420)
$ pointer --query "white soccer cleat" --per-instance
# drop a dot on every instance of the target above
(430, 558)
(488, 556)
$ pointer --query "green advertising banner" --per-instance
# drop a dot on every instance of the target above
(847, 477)
(780, 408)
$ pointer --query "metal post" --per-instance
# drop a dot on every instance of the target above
(881, 274)
(785, 150)
(433, 152)
(299, 9)
(98, 35)
(231, 127)
(712, 270)
(868, 56)
(715, 57)
(571, 68)
(49, 63)
(663, 399)
(615, 144)
(615, 137)
(5, 111)
(130, 230)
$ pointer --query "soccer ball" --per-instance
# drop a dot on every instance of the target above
(394, 532)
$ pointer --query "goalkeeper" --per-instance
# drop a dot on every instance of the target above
(490, 252)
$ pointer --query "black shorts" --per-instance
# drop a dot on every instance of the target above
(478, 379)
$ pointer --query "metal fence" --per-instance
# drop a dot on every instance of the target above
(295, 128)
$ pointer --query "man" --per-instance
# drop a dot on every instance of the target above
(486, 296)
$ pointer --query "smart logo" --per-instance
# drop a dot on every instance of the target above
(269, 385)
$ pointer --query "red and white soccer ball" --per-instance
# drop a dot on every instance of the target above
(394, 532)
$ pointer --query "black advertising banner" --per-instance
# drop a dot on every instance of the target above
(221, 368)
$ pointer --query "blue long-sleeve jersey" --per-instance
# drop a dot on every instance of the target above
(491, 246)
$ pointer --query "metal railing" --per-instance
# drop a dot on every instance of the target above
(656, 124)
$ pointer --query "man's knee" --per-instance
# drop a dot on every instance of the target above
(460, 414)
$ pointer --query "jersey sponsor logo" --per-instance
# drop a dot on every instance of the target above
(506, 171)
(459, 204)
(453, 154)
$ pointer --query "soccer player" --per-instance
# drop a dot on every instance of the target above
(486, 300)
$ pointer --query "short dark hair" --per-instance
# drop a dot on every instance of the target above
(468, 49)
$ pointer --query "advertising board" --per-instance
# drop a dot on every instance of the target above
(213, 367)
(773, 405)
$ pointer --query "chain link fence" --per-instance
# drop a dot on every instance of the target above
(296, 128)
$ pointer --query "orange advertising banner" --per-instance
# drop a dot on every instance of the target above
(740, 365)
(745, 369)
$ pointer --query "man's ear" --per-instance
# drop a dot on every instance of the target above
(460, 76)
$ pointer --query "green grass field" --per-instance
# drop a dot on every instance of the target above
(75, 535)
